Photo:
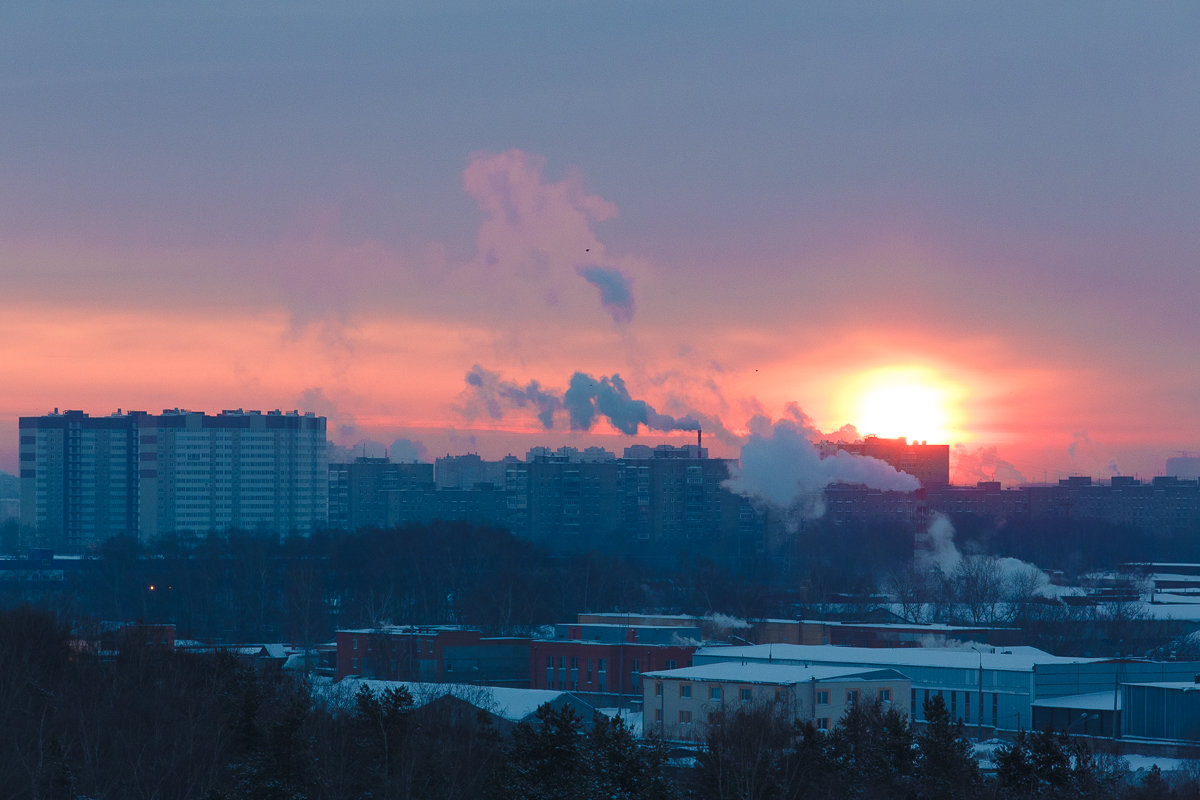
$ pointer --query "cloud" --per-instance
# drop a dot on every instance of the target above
(407, 450)
(982, 464)
(537, 233)
(616, 291)
(781, 465)
(1088, 457)
(496, 395)
(338, 421)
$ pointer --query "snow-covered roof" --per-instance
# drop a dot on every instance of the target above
(1177, 611)
(1171, 598)
(1013, 659)
(507, 703)
(276, 650)
(932, 627)
(411, 629)
(776, 674)
(1182, 686)
(1093, 701)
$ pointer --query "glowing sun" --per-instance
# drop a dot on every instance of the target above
(914, 403)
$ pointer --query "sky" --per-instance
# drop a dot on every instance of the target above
(971, 224)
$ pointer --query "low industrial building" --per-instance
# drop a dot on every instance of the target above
(1162, 710)
(678, 704)
(432, 653)
(987, 688)
(608, 659)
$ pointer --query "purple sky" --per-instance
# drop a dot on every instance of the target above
(733, 206)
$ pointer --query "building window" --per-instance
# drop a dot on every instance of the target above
(995, 708)
(823, 724)
(851, 696)
(885, 695)
(967, 706)
(953, 704)
(913, 703)
(685, 718)
(746, 693)
(658, 715)
(672, 663)
(780, 695)
(354, 643)
(354, 664)
(685, 690)
(449, 666)
(714, 693)
(823, 697)
(658, 688)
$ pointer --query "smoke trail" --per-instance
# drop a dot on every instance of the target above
(586, 401)
(587, 398)
(496, 394)
(616, 291)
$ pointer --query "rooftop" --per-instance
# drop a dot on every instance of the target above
(774, 674)
(1013, 659)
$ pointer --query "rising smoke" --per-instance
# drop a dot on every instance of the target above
(616, 291)
(782, 466)
(586, 400)
(496, 395)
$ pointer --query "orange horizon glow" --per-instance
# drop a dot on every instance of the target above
(910, 401)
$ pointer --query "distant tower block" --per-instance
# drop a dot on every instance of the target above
(928, 463)
(1184, 467)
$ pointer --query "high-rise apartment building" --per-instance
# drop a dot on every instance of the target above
(928, 463)
(85, 479)
(79, 477)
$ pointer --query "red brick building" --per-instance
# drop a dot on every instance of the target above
(432, 654)
(607, 659)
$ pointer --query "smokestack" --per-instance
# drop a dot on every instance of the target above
(698, 433)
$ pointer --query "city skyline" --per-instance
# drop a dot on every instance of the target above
(401, 219)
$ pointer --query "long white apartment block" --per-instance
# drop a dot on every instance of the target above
(85, 479)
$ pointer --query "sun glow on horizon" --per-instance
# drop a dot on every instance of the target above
(912, 402)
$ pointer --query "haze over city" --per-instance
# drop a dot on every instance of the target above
(969, 225)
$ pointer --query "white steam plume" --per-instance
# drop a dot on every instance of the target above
(781, 466)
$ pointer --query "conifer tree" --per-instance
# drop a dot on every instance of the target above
(946, 766)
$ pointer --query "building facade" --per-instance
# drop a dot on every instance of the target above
(361, 492)
(679, 704)
(85, 479)
(432, 653)
(608, 659)
(928, 463)
(985, 687)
